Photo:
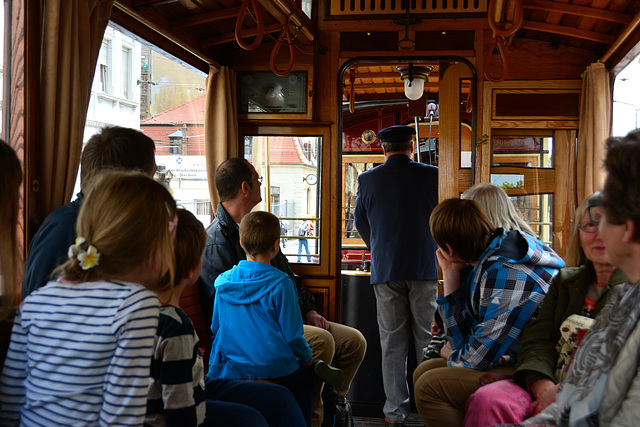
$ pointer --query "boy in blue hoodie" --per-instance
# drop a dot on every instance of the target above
(257, 326)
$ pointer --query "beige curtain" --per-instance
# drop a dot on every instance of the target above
(71, 38)
(595, 127)
(220, 123)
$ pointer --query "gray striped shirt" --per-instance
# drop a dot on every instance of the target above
(80, 355)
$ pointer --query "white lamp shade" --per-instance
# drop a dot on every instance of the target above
(414, 90)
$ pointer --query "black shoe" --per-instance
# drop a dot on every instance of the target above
(327, 373)
(432, 351)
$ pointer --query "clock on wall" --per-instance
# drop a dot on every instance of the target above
(311, 179)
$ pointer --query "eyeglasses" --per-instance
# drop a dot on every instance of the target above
(259, 179)
(589, 226)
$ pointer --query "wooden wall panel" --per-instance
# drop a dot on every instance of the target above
(563, 201)
(14, 98)
(534, 60)
(449, 147)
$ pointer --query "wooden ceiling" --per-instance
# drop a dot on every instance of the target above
(205, 29)
(208, 26)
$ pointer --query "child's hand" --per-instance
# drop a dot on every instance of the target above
(446, 351)
(451, 266)
(307, 364)
(435, 329)
(448, 262)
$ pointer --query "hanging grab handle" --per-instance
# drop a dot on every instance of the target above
(260, 29)
(274, 52)
(497, 27)
(500, 34)
(497, 41)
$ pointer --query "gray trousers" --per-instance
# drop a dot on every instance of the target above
(403, 307)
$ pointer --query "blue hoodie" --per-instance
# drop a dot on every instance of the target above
(257, 326)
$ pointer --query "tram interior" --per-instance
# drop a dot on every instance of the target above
(301, 88)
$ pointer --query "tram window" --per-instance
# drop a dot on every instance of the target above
(537, 211)
(626, 99)
(306, 6)
(531, 151)
(465, 145)
(290, 167)
(352, 167)
(138, 85)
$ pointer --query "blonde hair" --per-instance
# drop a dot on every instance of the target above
(10, 263)
(575, 255)
(498, 207)
(464, 226)
(259, 231)
(126, 217)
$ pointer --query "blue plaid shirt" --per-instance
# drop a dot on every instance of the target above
(484, 318)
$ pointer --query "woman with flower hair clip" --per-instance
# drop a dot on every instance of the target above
(81, 346)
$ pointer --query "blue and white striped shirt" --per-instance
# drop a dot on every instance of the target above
(80, 354)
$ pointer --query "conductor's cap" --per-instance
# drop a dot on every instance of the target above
(397, 133)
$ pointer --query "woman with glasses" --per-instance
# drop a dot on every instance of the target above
(575, 297)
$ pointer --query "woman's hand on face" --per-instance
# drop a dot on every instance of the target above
(544, 390)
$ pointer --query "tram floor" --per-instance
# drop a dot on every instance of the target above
(414, 420)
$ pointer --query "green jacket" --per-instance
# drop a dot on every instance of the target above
(537, 354)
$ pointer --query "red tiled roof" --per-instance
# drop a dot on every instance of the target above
(283, 149)
(286, 150)
(160, 135)
(188, 112)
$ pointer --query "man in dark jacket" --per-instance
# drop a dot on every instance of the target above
(238, 186)
(114, 147)
(392, 212)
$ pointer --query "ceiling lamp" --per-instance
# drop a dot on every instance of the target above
(414, 78)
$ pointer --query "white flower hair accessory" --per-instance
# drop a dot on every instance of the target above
(87, 259)
(75, 248)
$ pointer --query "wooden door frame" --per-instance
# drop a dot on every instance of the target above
(559, 180)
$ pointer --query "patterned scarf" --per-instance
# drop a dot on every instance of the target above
(582, 389)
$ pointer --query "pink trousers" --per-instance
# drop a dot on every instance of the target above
(501, 402)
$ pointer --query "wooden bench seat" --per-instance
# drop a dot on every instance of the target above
(190, 303)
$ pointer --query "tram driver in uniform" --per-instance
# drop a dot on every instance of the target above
(393, 206)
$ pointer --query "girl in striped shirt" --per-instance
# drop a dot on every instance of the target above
(81, 346)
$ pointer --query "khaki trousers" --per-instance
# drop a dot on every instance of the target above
(343, 346)
(441, 392)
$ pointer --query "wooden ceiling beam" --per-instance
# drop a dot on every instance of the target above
(583, 11)
(204, 18)
(141, 4)
(249, 32)
(382, 75)
(283, 10)
(373, 23)
(569, 31)
(628, 35)
(154, 24)
(427, 85)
